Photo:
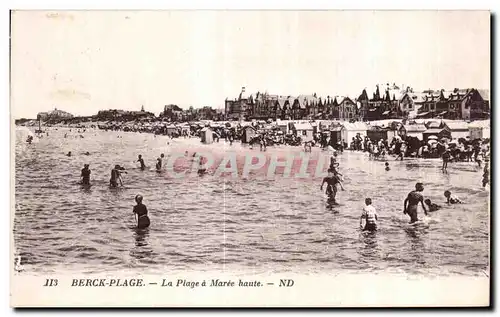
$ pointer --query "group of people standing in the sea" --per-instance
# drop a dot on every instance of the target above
(334, 179)
(369, 214)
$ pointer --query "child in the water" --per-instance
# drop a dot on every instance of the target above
(451, 199)
(432, 206)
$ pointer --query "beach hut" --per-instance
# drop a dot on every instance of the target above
(336, 134)
(304, 131)
(207, 135)
(351, 130)
(282, 126)
(171, 129)
(479, 130)
(436, 133)
(249, 133)
(413, 130)
(458, 129)
(377, 133)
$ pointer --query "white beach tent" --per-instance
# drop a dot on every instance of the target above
(352, 129)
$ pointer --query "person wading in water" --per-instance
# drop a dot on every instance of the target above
(411, 203)
(116, 176)
(141, 160)
(331, 187)
(141, 213)
(85, 175)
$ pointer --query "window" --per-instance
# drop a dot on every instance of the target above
(304, 132)
(410, 106)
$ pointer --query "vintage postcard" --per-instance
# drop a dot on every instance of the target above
(250, 158)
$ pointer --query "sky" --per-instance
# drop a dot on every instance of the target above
(86, 61)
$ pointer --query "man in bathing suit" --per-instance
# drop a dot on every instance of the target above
(141, 160)
(331, 187)
(370, 216)
(116, 176)
(411, 203)
(85, 175)
(333, 169)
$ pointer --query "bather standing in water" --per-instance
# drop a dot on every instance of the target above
(116, 176)
(142, 213)
(334, 169)
(331, 187)
(446, 158)
(411, 203)
(85, 175)
(141, 160)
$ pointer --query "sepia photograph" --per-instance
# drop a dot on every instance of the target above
(250, 158)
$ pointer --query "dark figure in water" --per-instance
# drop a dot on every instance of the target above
(141, 160)
(387, 168)
(85, 175)
(116, 176)
(87, 153)
(142, 213)
(411, 203)
(432, 206)
(331, 187)
(159, 162)
(29, 139)
(398, 150)
(446, 158)
(69, 154)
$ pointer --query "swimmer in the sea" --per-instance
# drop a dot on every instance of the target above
(432, 206)
(451, 199)
(411, 203)
(387, 168)
(370, 216)
(446, 157)
(334, 170)
(158, 164)
(85, 176)
(141, 213)
(87, 153)
(331, 187)
(69, 154)
(116, 176)
(141, 160)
